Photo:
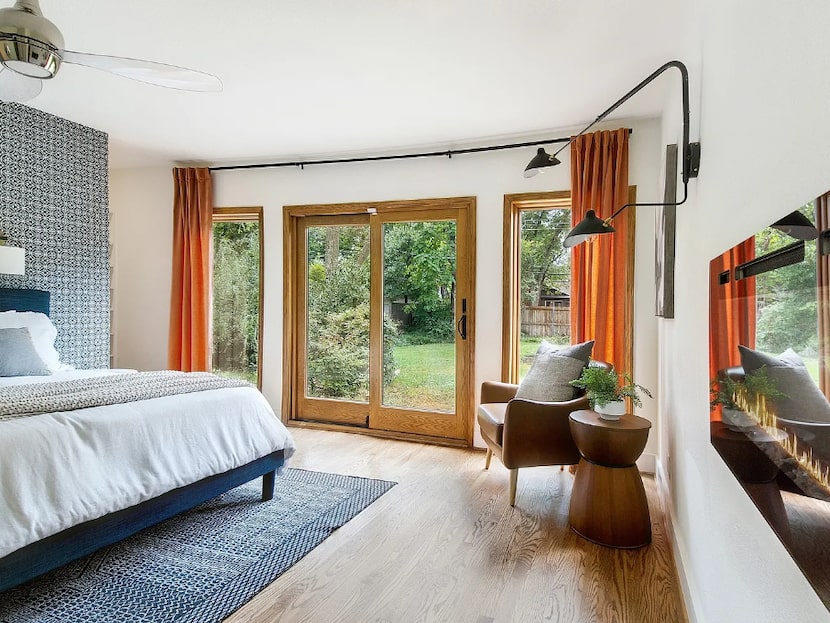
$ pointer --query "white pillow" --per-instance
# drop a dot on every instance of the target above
(42, 331)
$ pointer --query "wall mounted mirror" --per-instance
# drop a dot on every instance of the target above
(769, 332)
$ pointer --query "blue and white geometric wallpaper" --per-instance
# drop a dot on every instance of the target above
(54, 203)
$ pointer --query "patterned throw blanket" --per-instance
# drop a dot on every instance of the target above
(22, 400)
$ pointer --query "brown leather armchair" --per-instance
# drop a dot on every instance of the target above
(526, 433)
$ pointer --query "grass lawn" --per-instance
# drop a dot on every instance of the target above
(426, 377)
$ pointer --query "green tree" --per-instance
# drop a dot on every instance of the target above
(545, 263)
(419, 269)
(786, 297)
(338, 315)
(236, 298)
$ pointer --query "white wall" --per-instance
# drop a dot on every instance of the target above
(141, 233)
(142, 201)
(760, 92)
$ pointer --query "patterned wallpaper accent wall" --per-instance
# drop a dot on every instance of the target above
(54, 203)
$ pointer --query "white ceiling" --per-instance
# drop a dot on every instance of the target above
(313, 78)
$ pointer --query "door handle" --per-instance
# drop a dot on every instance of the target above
(461, 326)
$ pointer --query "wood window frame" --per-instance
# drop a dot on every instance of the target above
(247, 214)
(514, 205)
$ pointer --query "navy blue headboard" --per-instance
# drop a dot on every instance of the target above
(24, 300)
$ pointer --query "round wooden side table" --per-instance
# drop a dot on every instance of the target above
(608, 500)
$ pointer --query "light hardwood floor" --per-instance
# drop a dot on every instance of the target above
(444, 546)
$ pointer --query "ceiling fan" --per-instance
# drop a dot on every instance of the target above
(31, 50)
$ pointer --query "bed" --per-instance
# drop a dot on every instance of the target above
(74, 481)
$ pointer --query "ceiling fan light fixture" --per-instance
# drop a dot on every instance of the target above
(28, 57)
(29, 42)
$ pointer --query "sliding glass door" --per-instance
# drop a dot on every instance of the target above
(382, 321)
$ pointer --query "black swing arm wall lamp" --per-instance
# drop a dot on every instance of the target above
(592, 225)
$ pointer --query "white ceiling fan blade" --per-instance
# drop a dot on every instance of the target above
(15, 87)
(150, 72)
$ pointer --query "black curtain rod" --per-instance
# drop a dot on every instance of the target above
(449, 153)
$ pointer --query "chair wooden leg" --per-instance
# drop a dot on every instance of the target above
(487, 458)
(514, 479)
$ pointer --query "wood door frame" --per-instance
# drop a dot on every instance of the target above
(350, 412)
(514, 204)
(292, 273)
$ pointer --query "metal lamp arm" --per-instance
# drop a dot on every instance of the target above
(653, 204)
(690, 155)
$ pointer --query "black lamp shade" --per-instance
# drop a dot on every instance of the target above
(591, 225)
(541, 160)
(797, 225)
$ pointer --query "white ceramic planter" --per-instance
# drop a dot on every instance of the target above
(611, 411)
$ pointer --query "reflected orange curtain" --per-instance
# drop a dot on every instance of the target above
(189, 343)
(822, 293)
(601, 268)
(731, 309)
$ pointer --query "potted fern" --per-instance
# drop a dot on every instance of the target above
(607, 391)
(730, 394)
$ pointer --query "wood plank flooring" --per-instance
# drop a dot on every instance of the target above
(444, 546)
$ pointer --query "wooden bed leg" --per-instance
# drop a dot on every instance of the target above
(268, 486)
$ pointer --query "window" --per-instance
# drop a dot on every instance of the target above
(237, 293)
(537, 277)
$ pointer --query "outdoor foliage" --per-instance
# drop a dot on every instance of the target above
(236, 298)
(545, 263)
(419, 269)
(787, 311)
(338, 315)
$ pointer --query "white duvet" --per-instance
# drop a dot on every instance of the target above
(61, 469)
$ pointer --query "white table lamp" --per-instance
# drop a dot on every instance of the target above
(12, 260)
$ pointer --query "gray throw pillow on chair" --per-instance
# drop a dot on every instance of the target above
(549, 378)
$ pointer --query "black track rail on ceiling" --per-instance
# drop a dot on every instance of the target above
(447, 153)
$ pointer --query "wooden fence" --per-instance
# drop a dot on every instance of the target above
(546, 321)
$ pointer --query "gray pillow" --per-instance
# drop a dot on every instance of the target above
(18, 356)
(576, 351)
(549, 378)
(804, 402)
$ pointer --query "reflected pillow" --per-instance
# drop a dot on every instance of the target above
(804, 402)
(18, 356)
(549, 378)
(42, 331)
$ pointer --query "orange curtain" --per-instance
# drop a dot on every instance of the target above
(822, 293)
(600, 268)
(189, 344)
(731, 309)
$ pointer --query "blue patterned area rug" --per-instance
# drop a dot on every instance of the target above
(202, 565)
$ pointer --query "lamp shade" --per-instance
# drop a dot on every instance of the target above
(12, 260)
(589, 226)
(797, 225)
(540, 161)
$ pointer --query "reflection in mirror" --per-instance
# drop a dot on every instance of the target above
(769, 346)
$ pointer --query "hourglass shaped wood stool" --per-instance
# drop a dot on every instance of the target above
(608, 500)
